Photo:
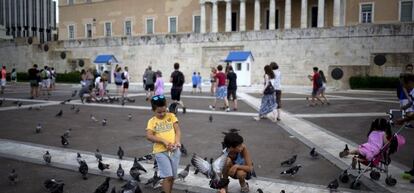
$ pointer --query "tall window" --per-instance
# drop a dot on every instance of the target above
(150, 26)
(196, 24)
(70, 2)
(406, 13)
(71, 32)
(108, 29)
(88, 1)
(172, 24)
(366, 13)
(128, 28)
(88, 30)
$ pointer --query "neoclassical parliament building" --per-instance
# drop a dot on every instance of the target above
(80, 19)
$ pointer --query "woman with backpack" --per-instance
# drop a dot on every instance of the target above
(125, 82)
(118, 80)
(321, 91)
(268, 104)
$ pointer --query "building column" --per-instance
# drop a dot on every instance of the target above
(336, 13)
(242, 26)
(214, 23)
(38, 20)
(321, 13)
(272, 14)
(202, 16)
(29, 21)
(4, 13)
(45, 20)
(228, 15)
(304, 14)
(288, 14)
(257, 15)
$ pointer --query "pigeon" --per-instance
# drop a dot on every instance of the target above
(67, 133)
(138, 165)
(344, 152)
(104, 121)
(131, 186)
(155, 165)
(30, 108)
(72, 107)
(282, 191)
(98, 155)
(93, 118)
(211, 170)
(59, 114)
(129, 117)
(102, 166)
(47, 157)
(134, 172)
(54, 186)
(113, 190)
(154, 180)
(210, 118)
(123, 102)
(313, 153)
(120, 172)
(333, 185)
(292, 171)
(232, 130)
(79, 158)
(77, 110)
(183, 174)
(65, 101)
(104, 187)
(120, 152)
(74, 93)
(13, 177)
(259, 190)
(290, 161)
(131, 100)
(145, 158)
(83, 169)
(38, 128)
(64, 141)
(16, 102)
(19, 104)
(183, 150)
(196, 170)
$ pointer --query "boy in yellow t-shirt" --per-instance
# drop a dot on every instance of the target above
(163, 130)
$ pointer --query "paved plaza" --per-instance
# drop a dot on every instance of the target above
(327, 128)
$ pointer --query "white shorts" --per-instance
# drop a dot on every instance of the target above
(46, 83)
(3, 82)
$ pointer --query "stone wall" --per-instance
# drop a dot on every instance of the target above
(296, 51)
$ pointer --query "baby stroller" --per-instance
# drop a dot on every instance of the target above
(380, 162)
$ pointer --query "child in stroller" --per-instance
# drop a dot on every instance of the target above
(375, 153)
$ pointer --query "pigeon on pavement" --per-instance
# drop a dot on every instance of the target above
(183, 150)
(196, 170)
(259, 190)
(72, 107)
(77, 110)
(292, 171)
(47, 157)
(154, 180)
(64, 141)
(104, 187)
(38, 128)
(129, 117)
(54, 186)
(79, 158)
(98, 155)
(93, 118)
(120, 172)
(13, 178)
(290, 161)
(74, 93)
(183, 174)
(67, 133)
(120, 152)
(83, 169)
(333, 185)
(138, 165)
(210, 118)
(102, 166)
(211, 170)
(59, 114)
(131, 186)
(313, 153)
(104, 122)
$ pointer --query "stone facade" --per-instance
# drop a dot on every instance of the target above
(295, 50)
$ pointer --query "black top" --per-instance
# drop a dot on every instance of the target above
(177, 79)
(232, 77)
(33, 74)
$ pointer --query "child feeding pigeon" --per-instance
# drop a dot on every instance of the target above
(163, 130)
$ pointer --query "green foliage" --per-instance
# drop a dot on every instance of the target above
(71, 77)
(373, 82)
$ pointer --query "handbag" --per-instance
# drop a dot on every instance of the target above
(269, 89)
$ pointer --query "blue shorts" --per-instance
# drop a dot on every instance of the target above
(221, 92)
(168, 165)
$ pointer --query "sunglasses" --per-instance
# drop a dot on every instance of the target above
(155, 98)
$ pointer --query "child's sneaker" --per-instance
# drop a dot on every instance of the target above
(228, 109)
(245, 188)
(343, 153)
(212, 107)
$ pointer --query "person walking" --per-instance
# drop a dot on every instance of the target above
(3, 79)
(213, 81)
(149, 82)
(125, 82)
(177, 79)
(316, 84)
(194, 81)
(322, 89)
(268, 103)
(278, 87)
(34, 81)
(118, 80)
(221, 92)
(199, 81)
(14, 75)
(159, 83)
(232, 87)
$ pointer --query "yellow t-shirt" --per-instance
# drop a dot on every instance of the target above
(162, 128)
